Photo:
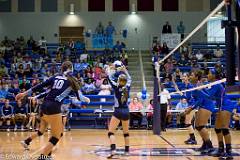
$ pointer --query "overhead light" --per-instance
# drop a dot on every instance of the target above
(72, 9)
(133, 10)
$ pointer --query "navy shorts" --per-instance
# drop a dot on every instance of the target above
(51, 107)
(122, 114)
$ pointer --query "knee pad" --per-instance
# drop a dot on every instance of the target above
(53, 140)
(218, 130)
(39, 133)
(225, 131)
(110, 134)
(199, 128)
(187, 125)
(126, 135)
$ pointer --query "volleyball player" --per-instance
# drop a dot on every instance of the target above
(223, 117)
(60, 87)
(189, 117)
(205, 109)
(121, 111)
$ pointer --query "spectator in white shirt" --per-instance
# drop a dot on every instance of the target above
(164, 102)
(218, 53)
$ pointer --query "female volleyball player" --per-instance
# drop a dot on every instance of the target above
(205, 109)
(60, 87)
(121, 111)
(223, 116)
(188, 117)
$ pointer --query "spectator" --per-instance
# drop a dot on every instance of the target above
(30, 42)
(236, 117)
(117, 49)
(77, 66)
(105, 89)
(65, 111)
(183, 62)
(157, 48)
(20, 114)
(99, 29)
(199, 56)
(150, 114)
(164, 102)
(135, 108)
(110, 29)
(14, 90)
(3, 71)
(181, 29)
(89, 87)
(169, 66)
(165, 49)
(7, 114)
(167, 28)
(3, 92)
(181, 106)
(2, 48)
(20, 71)
(33, 113)
(25, 85)
(218, 53)
(28, 71)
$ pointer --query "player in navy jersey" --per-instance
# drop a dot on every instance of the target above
(121, 111)
(223, 116)
(59, 87)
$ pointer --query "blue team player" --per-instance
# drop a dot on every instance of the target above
(60, 86)
(121, 111)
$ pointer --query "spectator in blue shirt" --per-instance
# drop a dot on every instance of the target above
(110, 29)
(7, 114)
(3, 92)
(77, 66)
(117, 49)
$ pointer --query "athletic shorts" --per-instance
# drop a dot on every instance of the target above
(51, 107)
(121, 114)
(211, 109)
(228, 106)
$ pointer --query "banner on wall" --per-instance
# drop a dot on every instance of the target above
(172, 40)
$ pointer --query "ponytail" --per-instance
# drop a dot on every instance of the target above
(74, 83)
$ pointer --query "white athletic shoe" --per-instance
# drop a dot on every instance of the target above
(8, 130)
(25, 146)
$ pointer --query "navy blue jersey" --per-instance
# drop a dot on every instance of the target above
(7, 111)
(22, 109)
(58, 88)
(121, 94)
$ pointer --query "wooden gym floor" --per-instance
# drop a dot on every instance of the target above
(93, 144)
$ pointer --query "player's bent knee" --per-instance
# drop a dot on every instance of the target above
(53, 140)
(225, 131)
(218, 130)
(39, 133)
(126, 135)
(110, 134)
(199, 128)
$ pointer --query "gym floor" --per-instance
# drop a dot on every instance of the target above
(93, 144)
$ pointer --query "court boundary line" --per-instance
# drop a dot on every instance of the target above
(168, 142)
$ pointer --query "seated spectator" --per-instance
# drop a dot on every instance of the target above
(157, 48)
(105, 89)
(135, 107)
(3, 70)
(65, 111)
(77, 66)
(169, 66)
(20, 71)
(165, 49)
(150, 114)
(24, 85)
(236, 117)
(89, 87)
(7, 114)
(199, 56)
(20, 114)
(182, 105)
(177, 75)
(2, 48)
(28, 71)
(14, 90)
(30, 42)
(32, 113)
(3, 92)
(42, 43)
(118, 49)
(183, 62)
(218, 53)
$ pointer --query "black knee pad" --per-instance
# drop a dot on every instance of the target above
(126, 135)
(39, 133)
(225, 131)
(218, 130)
(110, 134)
(53, 140)
(199, 128)
(187, 125)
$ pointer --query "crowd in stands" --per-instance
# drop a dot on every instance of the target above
(25, 63)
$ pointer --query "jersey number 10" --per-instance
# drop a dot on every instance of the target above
(58, 84)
